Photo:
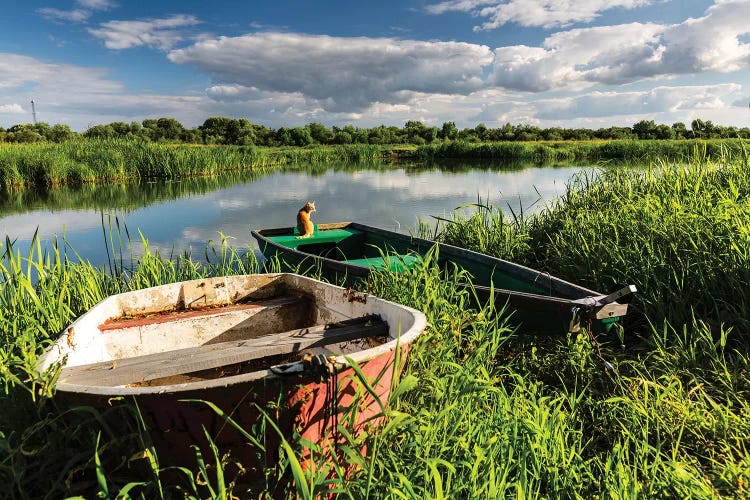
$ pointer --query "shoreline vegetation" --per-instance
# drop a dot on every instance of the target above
(659, 410)
(45, 165)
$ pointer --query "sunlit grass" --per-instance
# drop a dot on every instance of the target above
(86, 161)
(634, 151)
(480, 411)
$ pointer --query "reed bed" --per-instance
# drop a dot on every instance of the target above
(115, 160)
(634, 151)
(678, 231)
(480, 411)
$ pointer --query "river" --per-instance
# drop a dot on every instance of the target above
(184, 215)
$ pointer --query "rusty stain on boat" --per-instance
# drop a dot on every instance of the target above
(353, 296)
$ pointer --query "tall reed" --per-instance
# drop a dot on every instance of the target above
(677, 231)
(115, 160)
(635, 151)
(481, 411)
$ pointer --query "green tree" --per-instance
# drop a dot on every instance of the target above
(448, 131)
(664, 132)
(214, 129)
(553, 134)
(301, 136)
(168, 129)
(342, 137)
(680, 130)
(43, 129)
(481, 131)
(61, 133)
(320, 133)
(698, 127)
(527, 133)
(284, 137)
(645, 129)
(417, 133)
(239, 132)
(100, 132)
(23, 133)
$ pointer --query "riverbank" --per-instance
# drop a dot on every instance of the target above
(662, 410)
(632, 151)
(49, 165)
(88, 161)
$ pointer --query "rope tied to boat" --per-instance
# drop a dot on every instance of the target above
(577, 315)
(327, 368)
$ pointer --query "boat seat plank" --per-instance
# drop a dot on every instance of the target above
(181, 361)
(322, 236)
(393, 263)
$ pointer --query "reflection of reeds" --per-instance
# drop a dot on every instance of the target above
(480, 411)
(140, 193)
(97, 161)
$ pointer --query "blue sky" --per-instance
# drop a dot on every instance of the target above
(568, 63)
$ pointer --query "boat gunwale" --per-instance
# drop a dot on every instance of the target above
(401, 340)
(515, 270)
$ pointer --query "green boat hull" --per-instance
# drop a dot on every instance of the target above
(346, 252)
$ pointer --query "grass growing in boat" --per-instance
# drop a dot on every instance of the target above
(481, 412)
(50, 452)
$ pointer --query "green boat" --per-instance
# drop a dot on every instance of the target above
(348, 251)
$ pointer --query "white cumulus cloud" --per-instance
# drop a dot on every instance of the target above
(341, 73)
(78, 14)
(662, 99)
(73, 15)
(576, 58)
(161, 34)
(544, 13)
(629, 52)
(96, 4)
(11, 108)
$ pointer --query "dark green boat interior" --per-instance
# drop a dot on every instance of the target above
(375, 251)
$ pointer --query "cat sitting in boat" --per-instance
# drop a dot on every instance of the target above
(305, 225)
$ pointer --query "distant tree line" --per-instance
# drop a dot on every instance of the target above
(223, 130)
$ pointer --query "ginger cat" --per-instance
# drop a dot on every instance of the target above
(304, 224)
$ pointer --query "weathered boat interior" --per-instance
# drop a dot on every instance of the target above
(206, 334)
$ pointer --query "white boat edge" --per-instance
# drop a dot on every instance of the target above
(405, 325)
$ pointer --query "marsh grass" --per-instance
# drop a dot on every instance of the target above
(480, 410)
(635, 151)
(45, 165)
(680, 232)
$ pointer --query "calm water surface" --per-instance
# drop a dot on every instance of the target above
(178, 216)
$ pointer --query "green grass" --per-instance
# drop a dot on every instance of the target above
(634, 151)
(44, 165)
(680, 232)
(481, 411)
(88, 161)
